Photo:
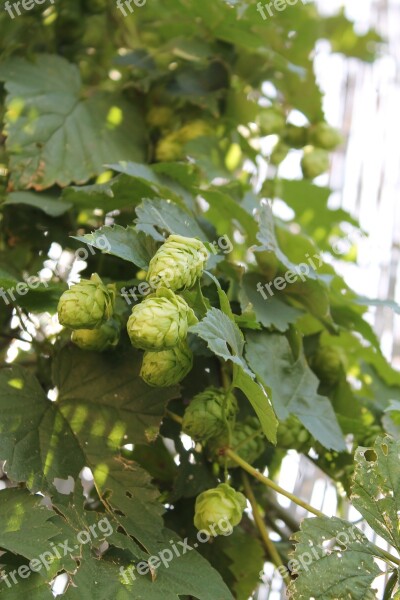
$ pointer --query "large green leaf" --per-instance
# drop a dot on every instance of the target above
(46, 115)
(154, 216)
(294, 387)
(333, 559)
(376, 488)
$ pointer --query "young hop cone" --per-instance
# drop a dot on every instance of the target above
(87, 304)
(97, 340)
(178, 263)
(327, 365)
(324, 136)
(247, 441)
(314, 162)
(222, 503)
(206, 415)
(167, 367)
(292, 435)
(160, 322)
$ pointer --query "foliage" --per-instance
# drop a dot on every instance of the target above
(118, 132)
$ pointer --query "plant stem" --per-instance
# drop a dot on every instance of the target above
(259, 521)
(174, 417)
(274, 486)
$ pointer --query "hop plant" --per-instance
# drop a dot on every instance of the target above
(206, 415)
(160, 322)
(167, 367)
(314, 162)
(97, 340)
(324, 136)
(86, 305)
(327, 365)
(217, 505)
(292, 435)
(247, 441)
(193, 130)
(178, 263)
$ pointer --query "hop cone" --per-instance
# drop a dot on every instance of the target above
(178, 263)
(86, 305)
(217, 507)
(314, 162)
(97, 340)
(204, 417)
(292, 435)
(167, 367)
(247, 441)
(324, 136)
(327, 365)
(160, 322)
(271, 120)
(169, 148)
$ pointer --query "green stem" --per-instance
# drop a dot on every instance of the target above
(271, 484)
(259, 521)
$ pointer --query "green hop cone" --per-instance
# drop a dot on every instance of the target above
(294, 136)
(271, 120)
(327, 365)
(178, 263)
(314, 162)
(194, 129)
(97, 340)
(292, 435)
(324, 136)
(206, 415)
(167, 367)
(87, 304)
(169, 148)
(247, 441)
(160, 322)
(159, 116)
(218, 507)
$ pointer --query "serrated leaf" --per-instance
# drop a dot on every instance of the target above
(46, 114)
(376, 487)
(223, 337)
(154, 216)
(333, 559)
(247, 556)
(294, 387)
(123, 242)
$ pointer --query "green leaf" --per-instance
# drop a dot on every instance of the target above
(223, 337)
(123, 242)
(46, 115)
(294, 387)
(25, 526)
(376, 487)
(247, 556)
(102, 404)
(260, 402)
(270, 312)
(49, 205)
(154, 216)
(224, 212)
(333, 559)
